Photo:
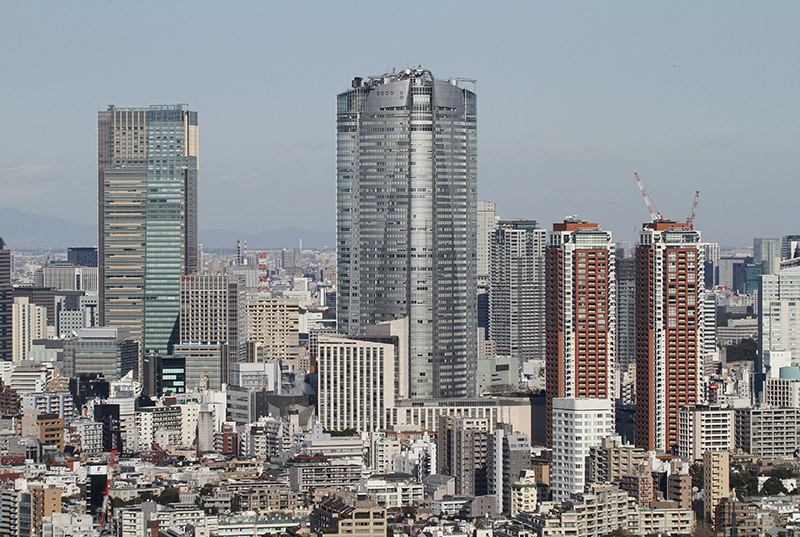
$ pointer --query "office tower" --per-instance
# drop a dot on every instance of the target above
(779, 314)
(767, 253)
(716, 482)
(206, 365)
(625, 270)
(110, 351)
(29, 323)
(74, 312)
(571, 450)
(487, 223)
(516, 289)
(356, 389)
(790, 246)
(147, 211)
(711, 264)
(64, 276)
(82, 256)
(669, 330)
(288, 259)
(581, 314)
(213, 310)
(407, 221)
(6, 301)
(274, 324)
(462, 449)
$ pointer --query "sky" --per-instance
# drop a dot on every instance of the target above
(573, 98)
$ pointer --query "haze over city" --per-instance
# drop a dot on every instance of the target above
(573, 98)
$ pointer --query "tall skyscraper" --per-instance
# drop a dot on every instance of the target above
(407, 221)
(669, 329)
(767, 253)
(6, 301)
(625, 271)
(487, 223)
(779, 314)
(516, 289)
(147, 211)
(581, 315)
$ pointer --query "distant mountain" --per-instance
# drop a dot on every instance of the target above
(24, 231)
(288, 237)
(30, 231)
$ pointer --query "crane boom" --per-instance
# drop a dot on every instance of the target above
(654, 214)
(690, 220)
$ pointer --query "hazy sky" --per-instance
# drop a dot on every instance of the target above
(573, 97)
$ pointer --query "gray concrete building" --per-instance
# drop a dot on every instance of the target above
(6, 302)
(407, 221)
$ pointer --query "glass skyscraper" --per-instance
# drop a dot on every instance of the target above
(147, 211)
(407, 221)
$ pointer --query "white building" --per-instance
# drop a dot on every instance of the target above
(29, 322)
(67, 525)
(578, 425)
(524, 495)
(392, 492)
(779, 306)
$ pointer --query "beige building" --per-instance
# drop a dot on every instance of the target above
(716, 481)
(29, 322)
(344, 514)
(274, 324)
(612, 459)
(704, 428)
(44, 502)
(524, 495)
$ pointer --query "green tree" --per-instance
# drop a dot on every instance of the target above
(168, 495)
(696, 471)
(744, 351)
(773, 486)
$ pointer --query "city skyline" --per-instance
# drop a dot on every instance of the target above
(646, 91)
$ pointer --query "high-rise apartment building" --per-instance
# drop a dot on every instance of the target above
(407, 221)
(487, 223)
(462, 449)
(213, 310)
(594, 418)
(29, 323)
(779, 314)
(273, 324)
(516, 289)
(6, 301)
(147, 212)
(669, 330)
(716, 482)
(625, 270)
(581, 314)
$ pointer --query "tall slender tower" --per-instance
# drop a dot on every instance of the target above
(147, 212)
(516, 289)
(6, 301)
(407, 221)
(669, 329)
(581, 315)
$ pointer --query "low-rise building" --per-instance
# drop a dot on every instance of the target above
(343, 514)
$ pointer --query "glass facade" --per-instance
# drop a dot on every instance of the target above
(407, 222)
(147, 168)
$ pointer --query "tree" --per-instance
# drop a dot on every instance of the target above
(168, 496)
(744, 351)
(696, 471)
(773, 486)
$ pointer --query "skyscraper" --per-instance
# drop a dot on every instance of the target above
(487, 223)
(516, 289)
(669, 329)
(407, 221)
(6, 301)
(147, 211)
(581, 315)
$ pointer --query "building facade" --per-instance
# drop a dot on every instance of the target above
(669, 330)
(147, 212)
(407, 221)
(516, 289)
(6, 301)
(581, 314)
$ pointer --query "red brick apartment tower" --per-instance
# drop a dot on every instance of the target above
(669, 329)
(580, 315)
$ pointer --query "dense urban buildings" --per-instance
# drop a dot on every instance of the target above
(581, 311)
(147, 212)
(407, 221)
(669, 331)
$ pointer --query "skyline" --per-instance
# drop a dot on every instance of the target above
(672, 93)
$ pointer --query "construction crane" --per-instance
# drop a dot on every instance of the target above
(690, 220)
(654, 214)
(106, 491)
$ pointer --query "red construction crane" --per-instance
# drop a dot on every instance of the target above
(690, 220)
(654, 214)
